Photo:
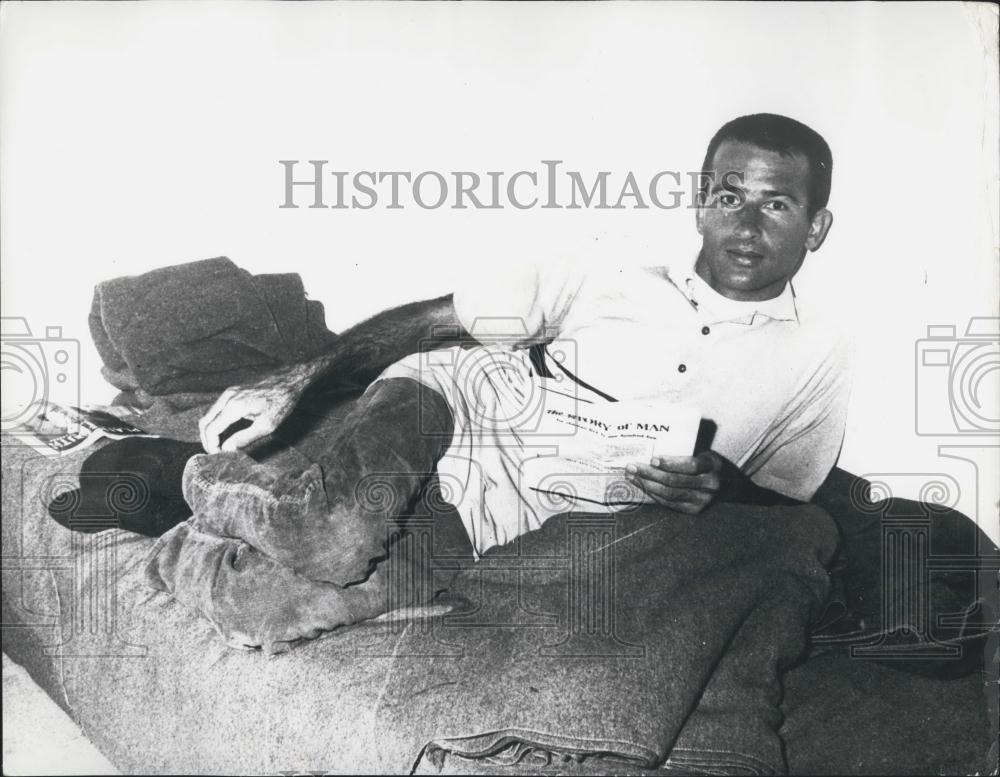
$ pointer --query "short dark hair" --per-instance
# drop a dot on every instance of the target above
(786, 136)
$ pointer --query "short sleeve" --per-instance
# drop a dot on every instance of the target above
(807, 438)
(517, 304)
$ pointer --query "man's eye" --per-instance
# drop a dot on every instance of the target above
(729, 200)
(775, 205)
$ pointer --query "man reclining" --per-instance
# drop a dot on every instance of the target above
(723, 335)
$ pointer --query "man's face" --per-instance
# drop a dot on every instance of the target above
(757, 231)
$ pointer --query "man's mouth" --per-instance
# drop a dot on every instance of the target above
(743, 256)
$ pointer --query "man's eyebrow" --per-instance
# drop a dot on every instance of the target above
(777, 193)
(730, 187)
(727, 187)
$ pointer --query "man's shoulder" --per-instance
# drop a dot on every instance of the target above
(825, 337)
(622, 275)
(592, 278)
(565, 267)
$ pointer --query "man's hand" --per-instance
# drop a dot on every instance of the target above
(687, 484)
(265, 404)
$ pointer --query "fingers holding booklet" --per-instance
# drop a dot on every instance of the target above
(687, 484)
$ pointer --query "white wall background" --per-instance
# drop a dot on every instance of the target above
(136, 135)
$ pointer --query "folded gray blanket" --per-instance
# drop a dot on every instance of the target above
(201, 327)
(647, 636)
(644, 636)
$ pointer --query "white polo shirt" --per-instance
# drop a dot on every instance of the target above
(774, 387)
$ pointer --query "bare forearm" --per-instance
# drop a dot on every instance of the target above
(366, 349)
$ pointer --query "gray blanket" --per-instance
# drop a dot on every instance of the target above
(646, 637)
(638, 636)
(200, 327)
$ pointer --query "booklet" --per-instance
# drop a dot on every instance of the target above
(596, 440)
(55, 430)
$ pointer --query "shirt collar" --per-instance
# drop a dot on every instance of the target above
(713, 308)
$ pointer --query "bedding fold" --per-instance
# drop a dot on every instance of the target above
(648, 637)
(192, 329)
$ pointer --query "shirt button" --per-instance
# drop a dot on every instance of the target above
(705, 330)
(682, 368)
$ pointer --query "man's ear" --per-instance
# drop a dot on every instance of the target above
(821, 222)
(699, 219)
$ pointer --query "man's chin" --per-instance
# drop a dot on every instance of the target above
(740, 278)
(736, 278)
(738, 283)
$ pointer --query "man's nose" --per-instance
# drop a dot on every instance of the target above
(747, 223)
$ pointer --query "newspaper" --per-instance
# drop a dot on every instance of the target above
(597, 440)
(56, 430)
